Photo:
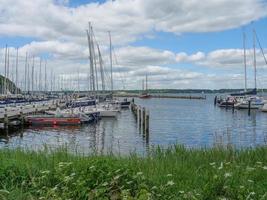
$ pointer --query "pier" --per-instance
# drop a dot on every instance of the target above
(18, 113)
(142, 116)
(163, 96)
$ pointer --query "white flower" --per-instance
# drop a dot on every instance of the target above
(213, 163)
(226, 175)
(221, 166)
(170, 183)
(139, 173)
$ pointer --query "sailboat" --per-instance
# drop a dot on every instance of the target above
(250, 98)
(145, 94)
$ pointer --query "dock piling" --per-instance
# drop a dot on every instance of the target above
(249, 107)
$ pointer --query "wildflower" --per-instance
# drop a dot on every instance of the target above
(117, 177)
(221, 166)
(139, 173)
(170, 183)
(249, 169)
(154, 188)
(72, 174)
(169, 175)
(226, 175)
(129, 182)
(105, 184)
(213, 163)
(45, 172)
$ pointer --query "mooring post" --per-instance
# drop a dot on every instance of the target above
(21, 115)
(5, 119)
(140, 116)
(249, 107)
(147, 123)
(144, 120)
(215, 100)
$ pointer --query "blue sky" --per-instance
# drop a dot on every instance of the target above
(180, 44)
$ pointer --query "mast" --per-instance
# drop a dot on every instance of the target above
(17, 61)
(45, 76)
(101, 68)
(8, 82)
(245, 59)
(146, 82)
(25, 72)
(110, 57)
(94, 57)
(92, 80)
(40, 76)
(4, 88)
(254, 51)
(32, 74)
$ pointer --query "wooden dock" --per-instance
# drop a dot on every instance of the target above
(10, 113)
(163, 96)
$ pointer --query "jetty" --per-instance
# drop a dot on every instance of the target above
(10, 114)
(163, 96)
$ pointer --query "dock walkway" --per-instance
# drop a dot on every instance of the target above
(19, 112)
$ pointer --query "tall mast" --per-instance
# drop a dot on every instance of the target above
(94, 56)
(32, 74)
(101, 68)
(92, 79)
(4, 88)
(146, 82)
(40, 76)
(45, 77)
(17, 61)
(25, 72)
(254, 50)
(8, 82)
(245, 59)
(110, 57)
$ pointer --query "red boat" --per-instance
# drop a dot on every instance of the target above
(145, 96)
(53, 120)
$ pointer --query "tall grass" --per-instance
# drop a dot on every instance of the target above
(175, 173)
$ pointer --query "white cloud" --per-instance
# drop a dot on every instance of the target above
(59, 31)
(202, 16)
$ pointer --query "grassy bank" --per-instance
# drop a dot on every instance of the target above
(175, 173)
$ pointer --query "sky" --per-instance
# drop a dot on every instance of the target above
(179, 44)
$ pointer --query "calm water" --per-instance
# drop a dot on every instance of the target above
(193, 123)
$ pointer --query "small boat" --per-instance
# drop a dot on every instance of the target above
(59, 118)
(228, 102)
(53, 120)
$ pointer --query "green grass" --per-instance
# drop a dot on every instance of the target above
(175, 173)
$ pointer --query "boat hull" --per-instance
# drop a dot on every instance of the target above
(51, 121)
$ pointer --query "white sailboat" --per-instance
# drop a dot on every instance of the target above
(250, 99)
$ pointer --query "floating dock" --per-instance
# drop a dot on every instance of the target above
(163, 96)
